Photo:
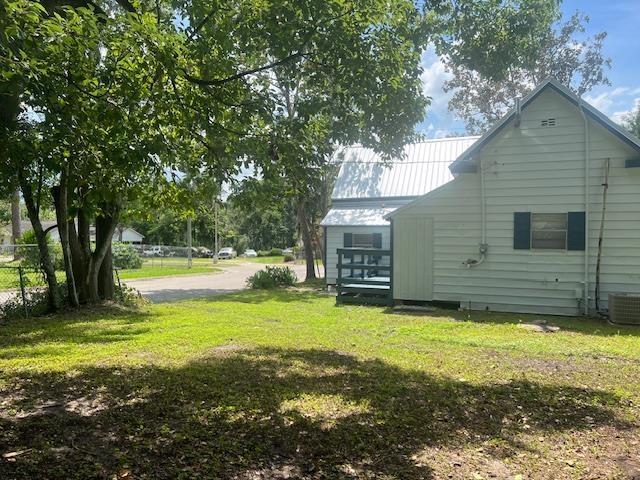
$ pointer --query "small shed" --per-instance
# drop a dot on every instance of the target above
(368, 188)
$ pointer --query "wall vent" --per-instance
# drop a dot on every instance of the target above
(548, 122)
(624, 308)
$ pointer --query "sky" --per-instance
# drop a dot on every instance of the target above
(619, 18)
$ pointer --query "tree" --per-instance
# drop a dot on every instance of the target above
(632, 121)
(480, 99)
(96, 126)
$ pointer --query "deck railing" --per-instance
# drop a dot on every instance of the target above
(364, 277)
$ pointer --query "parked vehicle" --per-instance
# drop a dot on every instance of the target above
(249, 252)
(227, 252)
(204, 252)
(287, 251)
(153, 252)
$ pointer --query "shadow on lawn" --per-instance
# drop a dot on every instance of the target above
(584, 325)
(71, 328)
(245, 413)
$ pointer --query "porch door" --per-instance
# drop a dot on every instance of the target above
(413, 258)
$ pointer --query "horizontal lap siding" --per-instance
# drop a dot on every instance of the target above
(536, 169)
(335, 239)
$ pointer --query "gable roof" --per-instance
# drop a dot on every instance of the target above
(556, 86)
(425, 166)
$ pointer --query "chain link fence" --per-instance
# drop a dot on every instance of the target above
(23, 289)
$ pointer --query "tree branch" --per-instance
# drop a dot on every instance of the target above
(216, 82)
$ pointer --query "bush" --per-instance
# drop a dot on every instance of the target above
(125, 256)
(30, 253)
(275, 252)
(272, 277)
(289, 257)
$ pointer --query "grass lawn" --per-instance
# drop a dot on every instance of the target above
(149, 271)
(284, 384)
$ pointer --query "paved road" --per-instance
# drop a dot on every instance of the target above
(180, 287)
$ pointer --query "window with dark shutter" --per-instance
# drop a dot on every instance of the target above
(522, 230)
(576, 225)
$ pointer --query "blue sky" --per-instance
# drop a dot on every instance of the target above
(619, 18)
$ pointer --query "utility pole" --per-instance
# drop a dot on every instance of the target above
(189, 243)
(216, 247)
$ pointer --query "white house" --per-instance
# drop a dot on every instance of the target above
(518, 228)
(122, 233)
(366, 189)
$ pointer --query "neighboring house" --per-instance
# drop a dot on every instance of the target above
(518, 228)
(367, 188)
(122, 233)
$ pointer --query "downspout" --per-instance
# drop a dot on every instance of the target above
(472, 262)
(587, 169)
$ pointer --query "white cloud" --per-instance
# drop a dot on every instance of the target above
(433, 79)
(617, 103)
(439, 122)
(621, 116)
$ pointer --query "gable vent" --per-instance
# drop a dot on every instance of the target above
(548, 122)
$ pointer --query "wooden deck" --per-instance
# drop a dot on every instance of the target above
(364, 277)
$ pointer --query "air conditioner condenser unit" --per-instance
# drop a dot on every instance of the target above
(624, 308)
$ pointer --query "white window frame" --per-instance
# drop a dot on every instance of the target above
(565, 230)
(364, 244)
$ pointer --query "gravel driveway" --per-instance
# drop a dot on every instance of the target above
(231, 279)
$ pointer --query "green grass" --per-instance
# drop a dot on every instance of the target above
(148, 271)
(269, 384)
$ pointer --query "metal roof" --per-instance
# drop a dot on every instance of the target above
(425, 166)
(590, 110)
(347, 217)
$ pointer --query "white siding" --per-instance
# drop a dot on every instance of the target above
(535, 169)
(335, 239)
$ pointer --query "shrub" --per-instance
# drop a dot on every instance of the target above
(30, 253)
(272, 277)
(275, 252)
(263, 253)
(289, 257)
(125, 256)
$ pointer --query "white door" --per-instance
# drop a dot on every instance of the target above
(413, 258)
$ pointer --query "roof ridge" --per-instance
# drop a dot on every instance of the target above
(427, 140)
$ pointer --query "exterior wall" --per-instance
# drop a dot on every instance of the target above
(540, 170)
(335, 239)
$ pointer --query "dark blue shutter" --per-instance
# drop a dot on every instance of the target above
(576, 230)
(347, 242)
(377, 240)
(522, 230)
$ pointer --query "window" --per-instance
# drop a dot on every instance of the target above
(363, 240)
(549, 231)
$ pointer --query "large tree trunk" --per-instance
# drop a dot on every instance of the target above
(106, 224)
(16, 228)
(60, 196)
(307, 242)
(46, 262)
(104, 233)
(78, 262)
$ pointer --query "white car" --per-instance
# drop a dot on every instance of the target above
(153, 252)
(250, 252)
(287, 251)
(227, 252)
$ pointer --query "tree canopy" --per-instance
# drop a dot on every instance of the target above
(481, 98)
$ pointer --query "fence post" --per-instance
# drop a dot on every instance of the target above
(22, 292)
